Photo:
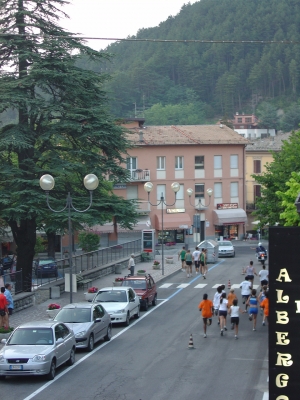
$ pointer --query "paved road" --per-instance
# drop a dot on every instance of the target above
(150, 360)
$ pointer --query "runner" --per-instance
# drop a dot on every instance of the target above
(250, 272)
(265, 305)
(181, 255)
(223, 312)
(202, 263)
(216, 301)
(253, 311)
(206, 307)
(246, 291)
(234, 312)
(196, 256)
(231, 296)
(205, 264)
(263, 276)
(188, 262)
(261, 297)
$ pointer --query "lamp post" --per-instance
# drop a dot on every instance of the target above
(90, 182)
(175, 187)
(209, 192)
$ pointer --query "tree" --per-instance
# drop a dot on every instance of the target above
(88, 241)
(63, 126)
(267, 115)
(291, 118)
(288, 197)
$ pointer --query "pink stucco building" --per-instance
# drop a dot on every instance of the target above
(197, 157)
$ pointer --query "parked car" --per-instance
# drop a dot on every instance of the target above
(121, 303)
(145, 288)
(89, 322)
(37, 348)
(45, 266)
(226, 249)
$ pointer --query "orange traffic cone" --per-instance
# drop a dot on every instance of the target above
(229, 284)
(191, 343)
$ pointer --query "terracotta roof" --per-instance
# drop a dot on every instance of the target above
(267, 144)
(186, 134)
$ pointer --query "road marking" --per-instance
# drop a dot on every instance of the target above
(182, 285)
(165, 285)
(266, 396)
(200, 286)
(217, 285)
(235, 286)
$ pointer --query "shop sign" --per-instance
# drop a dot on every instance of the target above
(120, 186)
(284, 319)
(175, 210)
(227, 206)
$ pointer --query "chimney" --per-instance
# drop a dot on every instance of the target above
(141, 136)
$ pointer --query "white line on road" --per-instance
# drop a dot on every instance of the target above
(200, 286)
(217, 285)
(266, 396)
(235, 286)
(165, 285)
(182, 285)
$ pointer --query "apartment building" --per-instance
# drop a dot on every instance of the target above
(197, 157)
(247, 125)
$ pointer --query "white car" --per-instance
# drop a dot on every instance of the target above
(226, 249)
(121, 303)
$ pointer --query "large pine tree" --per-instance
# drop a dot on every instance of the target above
(62, 125)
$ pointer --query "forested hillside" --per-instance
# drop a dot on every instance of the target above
(197, 81)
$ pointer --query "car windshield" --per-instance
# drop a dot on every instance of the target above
(74, 315)
(117, 296)
(135, 283)
(31, 336)
(45, 262)
(225, 244)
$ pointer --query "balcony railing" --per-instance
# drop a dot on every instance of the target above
(140, 175)
(143, 207)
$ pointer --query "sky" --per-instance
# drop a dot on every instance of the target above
(117, 18)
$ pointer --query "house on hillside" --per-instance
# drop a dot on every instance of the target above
(197, 157)
(247, 125)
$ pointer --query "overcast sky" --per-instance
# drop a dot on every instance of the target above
(117, 18)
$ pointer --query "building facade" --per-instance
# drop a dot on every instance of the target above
(247, 125)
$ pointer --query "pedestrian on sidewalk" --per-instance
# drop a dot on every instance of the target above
(9, 298)
(181, 255)
(223, 313)
(245, 291)
(234, 313)
(206, 308)
(196, 258)
(3, 309)
(188, 262)
(253, 310)
(131, 264)
(265, 305)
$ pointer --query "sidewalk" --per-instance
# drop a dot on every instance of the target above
(38, 312)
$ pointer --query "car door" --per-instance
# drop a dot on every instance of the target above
(60, 348)
(98, 327)
(133, 301)
(68, 340)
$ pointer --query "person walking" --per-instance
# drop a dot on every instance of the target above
(188, 262)
(263, 276)
(181, 255)
(223, 313)
(196, 259)
(206, 308)
(131, 264)
(9, 298)
(202, 263)
(3, 309)
(245, 291)
(216, 302)
(205, 269)
(265, 305)
(234, 313)
(250, 272)
(253, 308)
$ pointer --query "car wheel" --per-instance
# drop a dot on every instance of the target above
(146, 305)
(108, 335)
(154, 300)
(91, 343)
(71, 360)
(137, 315)
(127, 320)
(51, 373)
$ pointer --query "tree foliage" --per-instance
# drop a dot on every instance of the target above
(88, 241)
(290, 215)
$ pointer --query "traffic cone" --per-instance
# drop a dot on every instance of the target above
(191, 343)
(229, 284)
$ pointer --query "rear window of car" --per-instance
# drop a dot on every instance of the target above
(135, 283)
(74, 315)
(44, 262)
(113, 296)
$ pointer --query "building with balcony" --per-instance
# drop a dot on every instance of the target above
(197, 157)
(247, 125)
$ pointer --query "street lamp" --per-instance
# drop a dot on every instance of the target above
(90, 182)
(175, 187)
(209, 192)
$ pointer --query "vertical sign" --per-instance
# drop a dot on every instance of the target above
(284, 319)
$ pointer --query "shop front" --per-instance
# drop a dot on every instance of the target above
(174, 227)
(229, 223)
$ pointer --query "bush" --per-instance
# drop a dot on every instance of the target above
(88, 241)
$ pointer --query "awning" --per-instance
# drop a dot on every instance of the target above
(143, 223)
(229, 217)
(173, 221)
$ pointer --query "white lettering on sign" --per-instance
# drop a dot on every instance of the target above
(284, 359)
(280, 298)
(283, 275)
(282, 398)
(282, 317)
(281, 338)
(298, 306)
(282, 380)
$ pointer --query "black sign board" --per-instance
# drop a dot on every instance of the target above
(284, 319)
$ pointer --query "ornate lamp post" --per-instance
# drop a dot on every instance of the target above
(175, 187)
(90, 182)
(200, 205)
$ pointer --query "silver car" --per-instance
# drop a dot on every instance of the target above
(89, 322)
(226, 249)
(37, 348)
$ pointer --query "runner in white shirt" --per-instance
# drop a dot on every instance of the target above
(223, 312)
(234, 312)
(264, 276)
(246, 291)
(196, 259)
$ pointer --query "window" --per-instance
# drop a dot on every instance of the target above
(199, 162)
(161, 191)
(257, 191)
(248, 119)
(217, 162)
(178, 162)
(180, 193)
(240, 120)
(234, 189)
(218, 190)
(234, 161)
(199, 190)
(160, 162)
(257, 166)
(131, 163)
